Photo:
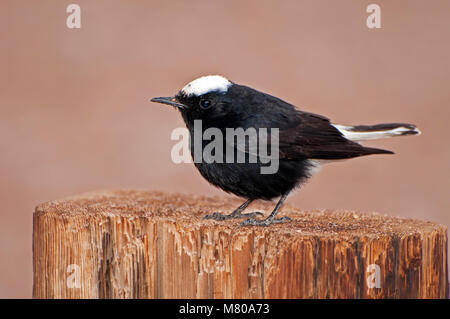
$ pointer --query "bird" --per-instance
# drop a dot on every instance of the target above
(306, 141)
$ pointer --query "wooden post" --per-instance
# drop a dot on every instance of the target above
(132, 244)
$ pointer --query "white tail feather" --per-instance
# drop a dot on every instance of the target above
(359, 133)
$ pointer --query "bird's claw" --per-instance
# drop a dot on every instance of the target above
(251, 215)
(265, 222)
(215, 216)
(219, 217)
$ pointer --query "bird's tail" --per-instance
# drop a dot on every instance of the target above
(373, 132)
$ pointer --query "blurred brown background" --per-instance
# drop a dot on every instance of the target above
(75, 114)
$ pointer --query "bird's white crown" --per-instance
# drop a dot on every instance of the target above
(206, 84)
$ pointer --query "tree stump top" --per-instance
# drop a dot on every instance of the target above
(190, 209)
(137, 244)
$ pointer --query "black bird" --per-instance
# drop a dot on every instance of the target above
(305, 141)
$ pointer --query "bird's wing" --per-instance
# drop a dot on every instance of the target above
(313, 136)
(304, 136)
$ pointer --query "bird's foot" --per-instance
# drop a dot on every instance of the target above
(265, 222)
(233, 215)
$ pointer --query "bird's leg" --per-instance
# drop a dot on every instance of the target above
(271, 219)
(237, 213)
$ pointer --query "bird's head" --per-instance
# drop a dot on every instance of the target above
(205, 98)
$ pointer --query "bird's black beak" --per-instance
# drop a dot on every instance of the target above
(169, 100)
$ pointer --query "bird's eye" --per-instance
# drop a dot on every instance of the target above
(205, 103)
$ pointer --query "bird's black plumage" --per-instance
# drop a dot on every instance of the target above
(302, 136)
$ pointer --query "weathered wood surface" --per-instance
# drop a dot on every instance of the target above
(132, 244)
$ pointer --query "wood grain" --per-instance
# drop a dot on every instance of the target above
(136, 244)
